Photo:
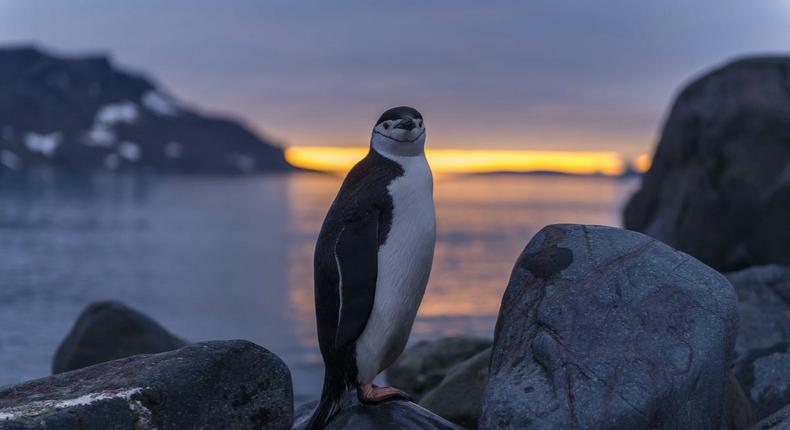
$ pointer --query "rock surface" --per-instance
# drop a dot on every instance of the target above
(738, 411)
(223, 384)
(719, 185)
(392, 415)
(460, 394)
(86, 113)
(763, 348)
(780, 420)
(607, 328)
(107, 331)
(424, 365)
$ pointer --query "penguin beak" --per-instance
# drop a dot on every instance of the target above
(406, 124)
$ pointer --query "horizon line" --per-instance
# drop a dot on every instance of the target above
(340, 159)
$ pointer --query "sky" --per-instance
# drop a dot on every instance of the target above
(549, 75)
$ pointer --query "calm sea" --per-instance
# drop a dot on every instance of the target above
(231, 257)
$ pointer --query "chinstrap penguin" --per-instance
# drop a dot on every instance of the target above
(372, 262)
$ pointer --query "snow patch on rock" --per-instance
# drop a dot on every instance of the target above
(101, 135)
(42, 143)
(130, 151)
(117, 112)
(9, 159)
(101, 132)
(159, 103)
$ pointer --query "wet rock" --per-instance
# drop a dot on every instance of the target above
(763, 347)
(607, 328)
(224, 384)
(424, 365)
(391, 415)
(719, 185)
(460, 394)
(107, 331)
(780, 420)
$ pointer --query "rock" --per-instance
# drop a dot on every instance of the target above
(719, 184)
(780, 420)
(391, 415)
(223, 384)
(738, 411)
(107, 331)
(86, 113)
(424, 365)
(606, 328)
(460, 394)
(762, 350)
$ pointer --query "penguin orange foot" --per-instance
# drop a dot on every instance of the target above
(371, 394)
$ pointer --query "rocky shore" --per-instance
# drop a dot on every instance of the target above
(686, 326)
(653, 342)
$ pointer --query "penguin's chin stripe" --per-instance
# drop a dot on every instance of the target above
(398, 140)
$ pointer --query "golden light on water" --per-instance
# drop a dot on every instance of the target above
(340, 159)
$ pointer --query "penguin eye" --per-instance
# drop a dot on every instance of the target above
(386, 126)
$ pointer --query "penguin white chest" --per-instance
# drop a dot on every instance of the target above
(404, 264)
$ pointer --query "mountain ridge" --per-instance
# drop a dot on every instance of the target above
(86, 113)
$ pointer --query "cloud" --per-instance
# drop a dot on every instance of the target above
(553, 70)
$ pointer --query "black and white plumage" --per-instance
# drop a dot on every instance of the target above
(372, 261)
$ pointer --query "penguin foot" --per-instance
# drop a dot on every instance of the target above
(370, 394)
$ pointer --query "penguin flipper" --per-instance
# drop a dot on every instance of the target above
(356, 255)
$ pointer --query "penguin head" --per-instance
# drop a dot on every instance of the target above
(400, 131)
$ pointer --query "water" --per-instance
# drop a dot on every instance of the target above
(231, 257)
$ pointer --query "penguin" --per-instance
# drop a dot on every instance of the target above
(372, 261)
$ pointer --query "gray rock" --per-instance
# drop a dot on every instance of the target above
(460, 394)
(763, 346)
(738, 411)
(224, 384)
(107, 331)
(392, 415)
(607, 328)
(780, 420)
(764, 297)
(458, 398)
(424, 365)
(719, 185)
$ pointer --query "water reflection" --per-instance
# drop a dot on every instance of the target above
(483, 224)
(231, 257)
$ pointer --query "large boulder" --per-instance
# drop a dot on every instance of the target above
(606, 328)
(424, 365)
(459, 395)
(719, 184)
(390, 415)
(224, 384)
(763, 348)
(107, 331)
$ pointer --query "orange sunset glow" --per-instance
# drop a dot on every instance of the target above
(340, 159)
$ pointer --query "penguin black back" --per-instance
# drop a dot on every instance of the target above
(371, 267)
(364, 192)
